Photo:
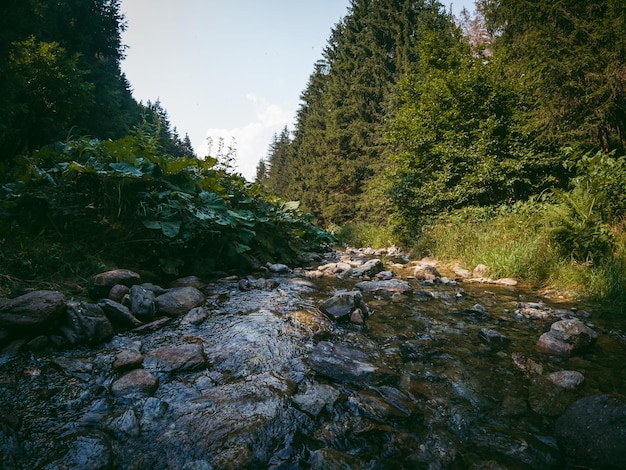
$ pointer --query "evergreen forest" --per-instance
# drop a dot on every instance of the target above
(498, 136)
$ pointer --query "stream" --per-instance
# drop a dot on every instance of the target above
(445, 375)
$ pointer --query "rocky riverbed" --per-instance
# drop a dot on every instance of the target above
(360, 359)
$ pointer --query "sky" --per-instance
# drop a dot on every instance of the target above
(228, 69)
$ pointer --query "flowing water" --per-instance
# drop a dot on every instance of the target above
(446, 392)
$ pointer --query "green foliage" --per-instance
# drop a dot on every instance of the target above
(134, 207)
(362, 234)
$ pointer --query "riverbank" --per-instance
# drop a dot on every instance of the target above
(359, 358)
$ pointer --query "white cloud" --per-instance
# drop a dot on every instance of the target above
(253, 139)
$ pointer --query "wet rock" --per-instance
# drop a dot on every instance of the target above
(158, 290)
(547, 399)
(329, 458)
(86, 323)
(569, 379)
(126, 424)
(343, 363)
(135, 382)
(118, 292)
(312, 320)
(179, 301)
(340, 270)
(340, 306)
(153, 412)
(196, 316)
(153, 325)
(32, 310)
(493, 338)
(567, 337)
(592, 432)
(369, 268)
(390, 286)
(506, 281)
(118, 314)
(142, 303)
(303, 285)
(316, 398)
(177, 358)
(91, 451)
(375, 408)
(128, 359)
(384, 275)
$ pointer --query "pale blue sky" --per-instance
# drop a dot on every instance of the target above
(227, 68)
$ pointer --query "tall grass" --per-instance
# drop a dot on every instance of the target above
(519, 242)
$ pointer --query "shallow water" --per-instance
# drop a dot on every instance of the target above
(443, 397)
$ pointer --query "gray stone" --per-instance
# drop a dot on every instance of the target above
(492, 337)
(316, 398)
(188, 356)
(568, 379)
(279, 268)
(91, 451)
(548, 344)
(343, 363)
(32, 310)
(117, 293)
(567, 337)
(128, 359)
(86, 323)
(118, 314)
(196, 316)
(389, 286)
(592, 432)
(369, 268)
(179, 301)
(142, 303)
(135, 382)
(340, 306)
(425, 271)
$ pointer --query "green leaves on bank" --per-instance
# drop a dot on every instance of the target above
(134, 207)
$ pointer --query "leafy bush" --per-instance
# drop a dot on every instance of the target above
(131, 206)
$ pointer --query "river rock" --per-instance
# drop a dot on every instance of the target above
(177, 358)
(461, 273)
(569, 379)
(118, 292)
(279, 268)
(369, 268)
(480, 271)
(341, 270)
(118, 314)
(86, 323)
(135, 382)
(142, 303)
(126, 424)
(426, 271)
(340, 306)
(316, 398)
(567, 337)
(592, 432)
(103, 282)
(128, 359)
(179, 301)
(91, 451)
(195, 316)
(390, 286)
(32, 310)
(343, 363)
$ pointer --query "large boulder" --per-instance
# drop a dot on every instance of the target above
(179, 301)
(592, 432)
(32, 310)
(142, 303)
(390, 286)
